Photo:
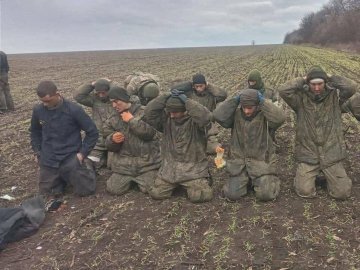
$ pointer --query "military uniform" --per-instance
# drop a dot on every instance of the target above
(352, 105)
(184, 160)
(210, 98)
(101, 110)
(137, 159)
(251, 152)
(6, 101)
(135, 84)
(320, 143)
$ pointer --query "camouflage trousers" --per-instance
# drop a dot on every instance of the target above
(6, 101)
(81, 176)
(99, 158)
(198, 190)
(338, 183)
(266, 187)
(119, 184)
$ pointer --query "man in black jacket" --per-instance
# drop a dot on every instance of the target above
(56, 140)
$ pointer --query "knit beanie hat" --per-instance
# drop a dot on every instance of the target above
(102, 85)
(174, 104)
(119, 93)
(249, 97)
(199, 79)
(316, 72)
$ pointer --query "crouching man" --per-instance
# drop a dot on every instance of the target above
(135, 145)
(56, 140)
(183, 123)
(251, 160)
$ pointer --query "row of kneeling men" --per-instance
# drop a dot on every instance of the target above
(160, 139)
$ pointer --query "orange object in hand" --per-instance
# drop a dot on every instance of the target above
(118, 137)
(219, 159)
(126, 116)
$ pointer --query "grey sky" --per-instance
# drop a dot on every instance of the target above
(73, 25)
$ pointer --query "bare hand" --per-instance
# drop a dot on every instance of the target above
(126, 116)
(118, 137)
(80, 157)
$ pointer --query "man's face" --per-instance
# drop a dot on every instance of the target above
(50, 101)
(249, 110)
(200, 87)
(317, 88)
(252, 83)
(119, 105)
(102, 94)
(177, 115)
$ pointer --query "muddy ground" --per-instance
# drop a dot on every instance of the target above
(135, 232)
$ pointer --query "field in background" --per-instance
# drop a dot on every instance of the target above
(136, 232)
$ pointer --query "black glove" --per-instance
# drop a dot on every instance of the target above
(175, 92)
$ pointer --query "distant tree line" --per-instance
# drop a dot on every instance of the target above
(338, 22)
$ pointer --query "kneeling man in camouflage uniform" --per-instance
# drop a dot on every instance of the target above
(183, 123)
(316, 100)
(135, 145)
(251, 153)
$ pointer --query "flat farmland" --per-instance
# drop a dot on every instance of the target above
(135, 232)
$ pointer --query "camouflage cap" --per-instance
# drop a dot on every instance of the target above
(102, 85)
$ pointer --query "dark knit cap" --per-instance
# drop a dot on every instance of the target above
(249, 97)
(119, 93)
(199, 79)
(316, 72)
(174, 104)
(102, 85)
(46, 88)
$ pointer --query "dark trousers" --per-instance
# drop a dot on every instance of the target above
(54, 180)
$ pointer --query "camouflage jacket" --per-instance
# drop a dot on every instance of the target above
(319, 137)
(183, 146)
(140, 151)
(251, 143)
(100, 110)
(210, 97)
(134, 82)
(352, 105)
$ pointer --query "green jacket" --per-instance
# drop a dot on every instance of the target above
(319, 136)
(251, 144)
(100, 110)
(140, 152)
(183, 146)
(210, 97)
(352, 105)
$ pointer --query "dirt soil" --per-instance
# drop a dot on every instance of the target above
(135, 232)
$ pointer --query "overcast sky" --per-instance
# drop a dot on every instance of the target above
(73, 25)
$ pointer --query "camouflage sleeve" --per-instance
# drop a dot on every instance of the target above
(154, 113)
(198, 113)
(219, 93)
(273, 114)
(224, 114)
(132, 86)
(83, 95)
(352, 105)
(142, 129)
(346, 87)
(289, 92)
(107, 133)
